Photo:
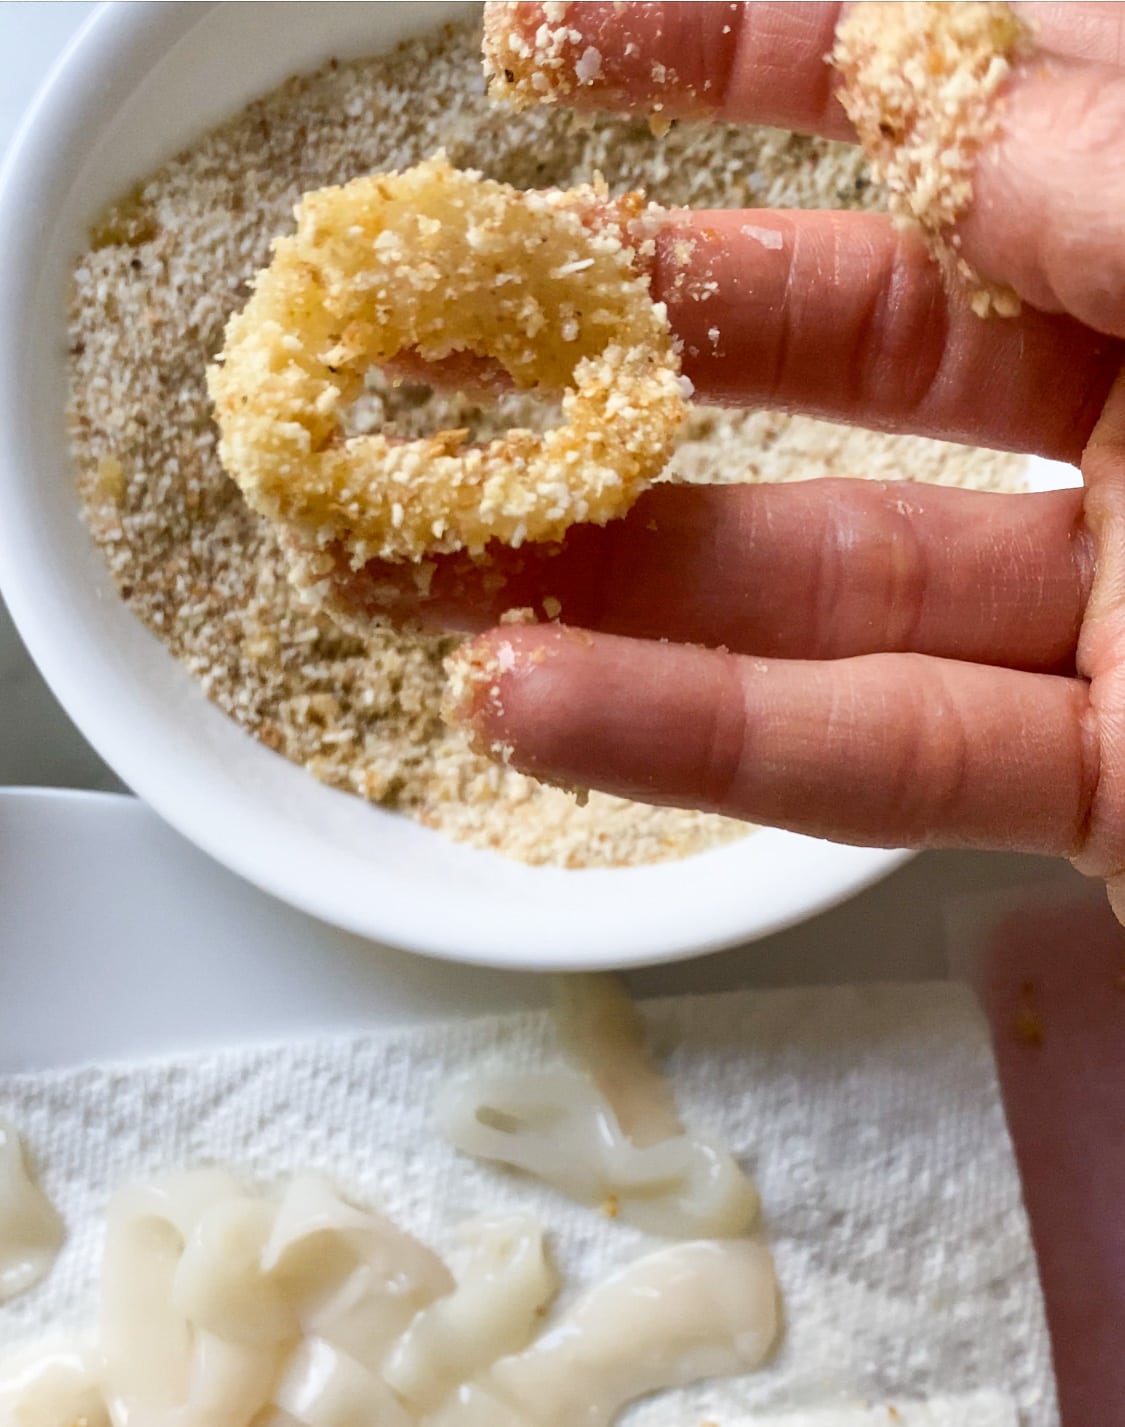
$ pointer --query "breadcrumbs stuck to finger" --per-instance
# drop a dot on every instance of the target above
(921, 83)
(543, 63)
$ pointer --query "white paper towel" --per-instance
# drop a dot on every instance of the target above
(870, 1117)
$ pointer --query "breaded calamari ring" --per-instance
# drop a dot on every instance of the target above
(429, 263)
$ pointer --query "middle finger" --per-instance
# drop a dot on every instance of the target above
(842, 316)
(813, 570)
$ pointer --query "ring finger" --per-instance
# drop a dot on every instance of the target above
(811, 570)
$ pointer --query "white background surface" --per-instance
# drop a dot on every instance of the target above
(893, 930)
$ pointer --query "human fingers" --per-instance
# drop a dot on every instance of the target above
(759, 63)
(885, 749)
(810, 570)
(840, 315)
(1048, 190)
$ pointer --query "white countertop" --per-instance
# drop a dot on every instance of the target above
(894, 930)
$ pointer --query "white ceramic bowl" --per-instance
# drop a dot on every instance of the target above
(136, 84)
(237, 967)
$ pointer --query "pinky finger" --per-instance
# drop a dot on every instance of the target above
(885, 749)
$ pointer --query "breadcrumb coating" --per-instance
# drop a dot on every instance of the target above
(436, 262)
(540, 66)
(921, 85)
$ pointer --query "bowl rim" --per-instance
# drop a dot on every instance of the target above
(67, 107)
(881, 865)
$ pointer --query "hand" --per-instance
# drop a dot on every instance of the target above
(893, 665)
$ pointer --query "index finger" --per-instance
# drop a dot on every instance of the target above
(762, 63)
(759, 63)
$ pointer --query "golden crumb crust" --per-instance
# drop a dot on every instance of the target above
(920, 85)
(434, 262)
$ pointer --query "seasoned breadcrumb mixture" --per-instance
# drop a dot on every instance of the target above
(168, 267)
(921, 84)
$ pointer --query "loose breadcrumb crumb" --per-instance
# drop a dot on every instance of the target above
(110, 479)
(523, 615)
(768, 237)
(169, 265)
(921, 85)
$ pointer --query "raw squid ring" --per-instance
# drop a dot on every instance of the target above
(431, 263)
